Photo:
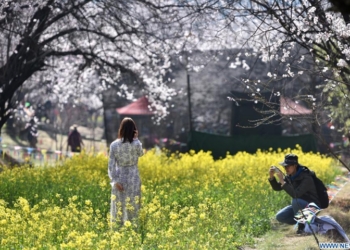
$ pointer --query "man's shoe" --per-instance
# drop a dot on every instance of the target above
(301, 228)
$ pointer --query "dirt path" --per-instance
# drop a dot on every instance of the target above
(49, 148)
(47, 141)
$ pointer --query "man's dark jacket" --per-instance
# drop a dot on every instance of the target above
(302, 186)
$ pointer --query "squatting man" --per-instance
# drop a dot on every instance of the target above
(298, 183)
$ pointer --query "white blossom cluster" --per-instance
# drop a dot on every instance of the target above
(88, 45)
(86, 48)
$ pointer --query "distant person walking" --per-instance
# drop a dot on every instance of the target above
(32, 132)
(74, 141)
(124, 173)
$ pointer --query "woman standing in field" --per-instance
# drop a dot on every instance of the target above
(124, 174)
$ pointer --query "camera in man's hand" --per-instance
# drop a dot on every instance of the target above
(275, 169)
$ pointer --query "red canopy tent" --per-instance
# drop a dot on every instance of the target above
(289, 107)
(138, 107)
(139, 111)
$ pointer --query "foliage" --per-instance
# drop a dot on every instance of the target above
(296, 32)
(72, 51)
(76, 49)
(338, 106)
(189, 201)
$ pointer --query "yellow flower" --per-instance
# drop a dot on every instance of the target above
(127, 223)
(173, 216)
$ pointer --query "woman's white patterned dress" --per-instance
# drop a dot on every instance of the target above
(122, 168)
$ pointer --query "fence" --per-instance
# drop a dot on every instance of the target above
(219, 145)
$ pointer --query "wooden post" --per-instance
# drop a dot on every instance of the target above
(189, 101)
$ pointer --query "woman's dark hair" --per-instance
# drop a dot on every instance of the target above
(127, 130)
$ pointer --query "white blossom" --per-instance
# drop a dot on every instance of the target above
(342, 63)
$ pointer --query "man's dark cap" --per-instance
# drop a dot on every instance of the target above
(290, 159)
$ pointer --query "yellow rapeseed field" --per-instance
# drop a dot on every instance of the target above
(189, 201)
